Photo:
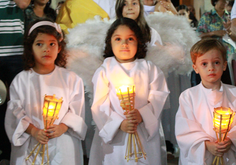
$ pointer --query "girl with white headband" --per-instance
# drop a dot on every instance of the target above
(44, 73)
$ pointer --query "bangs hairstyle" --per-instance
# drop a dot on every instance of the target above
(204, 45)
(28, 55)
(140, 20)
(141, 49)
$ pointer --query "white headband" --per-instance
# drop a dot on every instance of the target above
(42, 23)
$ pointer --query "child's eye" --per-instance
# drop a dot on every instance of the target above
(135, 3)
(131, 39)
(204, 63)
(117, 39)
(39, 44)
(217, 62)
(52, 44)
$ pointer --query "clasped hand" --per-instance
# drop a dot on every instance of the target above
(218, 148)
(133, 118)
(42, 136)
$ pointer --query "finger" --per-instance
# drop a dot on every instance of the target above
(50, 130)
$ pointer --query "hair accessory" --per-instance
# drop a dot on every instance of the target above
(42, 23)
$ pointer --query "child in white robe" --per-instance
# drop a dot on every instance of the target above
(124, 65)
(194, 120)
(133, 9)
(44, 74)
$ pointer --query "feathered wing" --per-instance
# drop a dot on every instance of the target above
(177, 37)
(85, 45)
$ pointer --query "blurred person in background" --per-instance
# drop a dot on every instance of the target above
(59, 6)
(39, 9)
(184, 11)
(11, 50)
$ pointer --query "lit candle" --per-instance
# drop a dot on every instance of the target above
(51, 108)
(223, 118)
(125, 89)
(126, 96)
(134, 148)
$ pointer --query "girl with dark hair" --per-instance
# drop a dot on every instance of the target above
(44, 74)
(134, 9)
(184, 11)
(39, 9)
(124, 64)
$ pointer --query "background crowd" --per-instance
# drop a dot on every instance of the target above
(16, 17)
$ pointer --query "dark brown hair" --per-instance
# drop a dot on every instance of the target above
(141, 50)
(213, 2)
(28, 55)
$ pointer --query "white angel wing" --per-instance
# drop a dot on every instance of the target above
(178, 38)
(85, 44)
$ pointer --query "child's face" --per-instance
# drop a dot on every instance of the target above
(210, 66)
(45, 49)
(124, 44)
(131, 9)
(184, 13)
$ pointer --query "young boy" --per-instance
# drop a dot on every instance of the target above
(194, 119)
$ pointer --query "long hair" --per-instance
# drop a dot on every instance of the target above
(141, 50)
(28, 55)
(140, 20)
(50, 13)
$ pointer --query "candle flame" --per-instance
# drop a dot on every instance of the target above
(124, 89)
(52, 106)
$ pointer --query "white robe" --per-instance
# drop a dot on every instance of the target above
(194, 123)
(109, 143)
(27, 93)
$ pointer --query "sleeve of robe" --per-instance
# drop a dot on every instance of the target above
(16, 120)
(189, 133)
(158, 92)
(75, 116)
(107, 120)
